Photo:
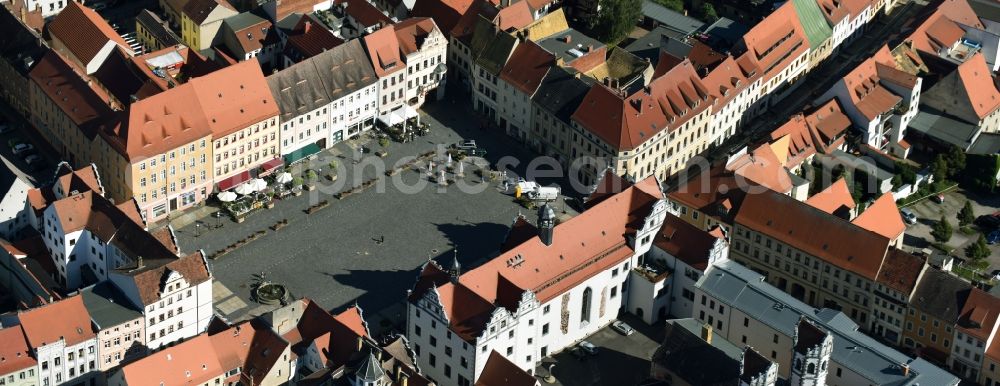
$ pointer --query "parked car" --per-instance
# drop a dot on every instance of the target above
(587, 347)
(466, 145)
(5, 128)
(33, 159)
(908, 216)
(993, 237)
(938, 198)
(622, 328)
(989, 221)
(22, 147)
(578, 353)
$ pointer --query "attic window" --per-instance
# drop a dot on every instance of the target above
(249, 36)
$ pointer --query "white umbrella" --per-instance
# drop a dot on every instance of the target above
(244, 189)
(284, 178)
(257, 184)
(226, 196)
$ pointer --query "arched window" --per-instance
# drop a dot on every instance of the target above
(811, 369)
(585, 306)
(823, 366)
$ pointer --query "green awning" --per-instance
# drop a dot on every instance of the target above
(299, 154)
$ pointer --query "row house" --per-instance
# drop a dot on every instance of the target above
(243, 118)
(299, 343)
(533, 300)
(91, 240)
(305, 39)
(933, 314)
(201, 20)
(61, 341)
(654, 131)
(804, 253)
(881, 100)
(153, 33)
(409, 59)
(779, 47)
(19, 368)
(23, 47)
(735, 85)
(240, 354)
(967, 94)
(811, 346)
(527, 66)
(462, 28)
(121, 333)
(975, 331)
(324, 100)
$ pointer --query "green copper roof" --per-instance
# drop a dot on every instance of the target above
(812, 20)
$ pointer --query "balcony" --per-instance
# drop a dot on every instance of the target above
(653, 271)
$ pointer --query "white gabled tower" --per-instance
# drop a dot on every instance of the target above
(810, 355)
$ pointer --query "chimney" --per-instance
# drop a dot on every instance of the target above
(399, 371)
(361, 343)
(706, 333)
(590, 48)
(402, 380)
(906, 369)
(567, 39)
(305, 28)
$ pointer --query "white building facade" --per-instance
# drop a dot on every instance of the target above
(528, 327)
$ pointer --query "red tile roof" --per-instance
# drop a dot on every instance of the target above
(83, 31)
(149, 278)
(499, 371)
(589, 243)
(686, 242)
(309, 38)
(365, 13)
(726, 80)
(866, 91)
(833, 10)
(527, 66)
(829, 124)
(191, 361)
(882, 217)
(627, 122)
(253, 37)
(960, 11)
(815, 232)
(446, 13)
(762, 166)
(383, 50)
(464, 25)
(935, 33)
(514, 16)
(979, 87)
(411, 33)
(833, 198)
(235, 97)
(84, 105)
(65, 319)
(776, 41)
(14, 352)
(716, 193)
(979, 315)
(352, 319)
(901, 271)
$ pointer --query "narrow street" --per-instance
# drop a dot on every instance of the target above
(823, 77)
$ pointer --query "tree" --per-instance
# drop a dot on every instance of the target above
(939, 168)
(675, 5)
(978, 250)
(965, 216)
(617, 19)
(956, 161)
(942, 230)
(707, 13)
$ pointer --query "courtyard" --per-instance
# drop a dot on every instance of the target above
(368, 247)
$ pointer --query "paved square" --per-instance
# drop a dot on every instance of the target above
(331, 256)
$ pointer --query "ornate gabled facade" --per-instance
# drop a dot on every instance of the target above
(540, 296)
